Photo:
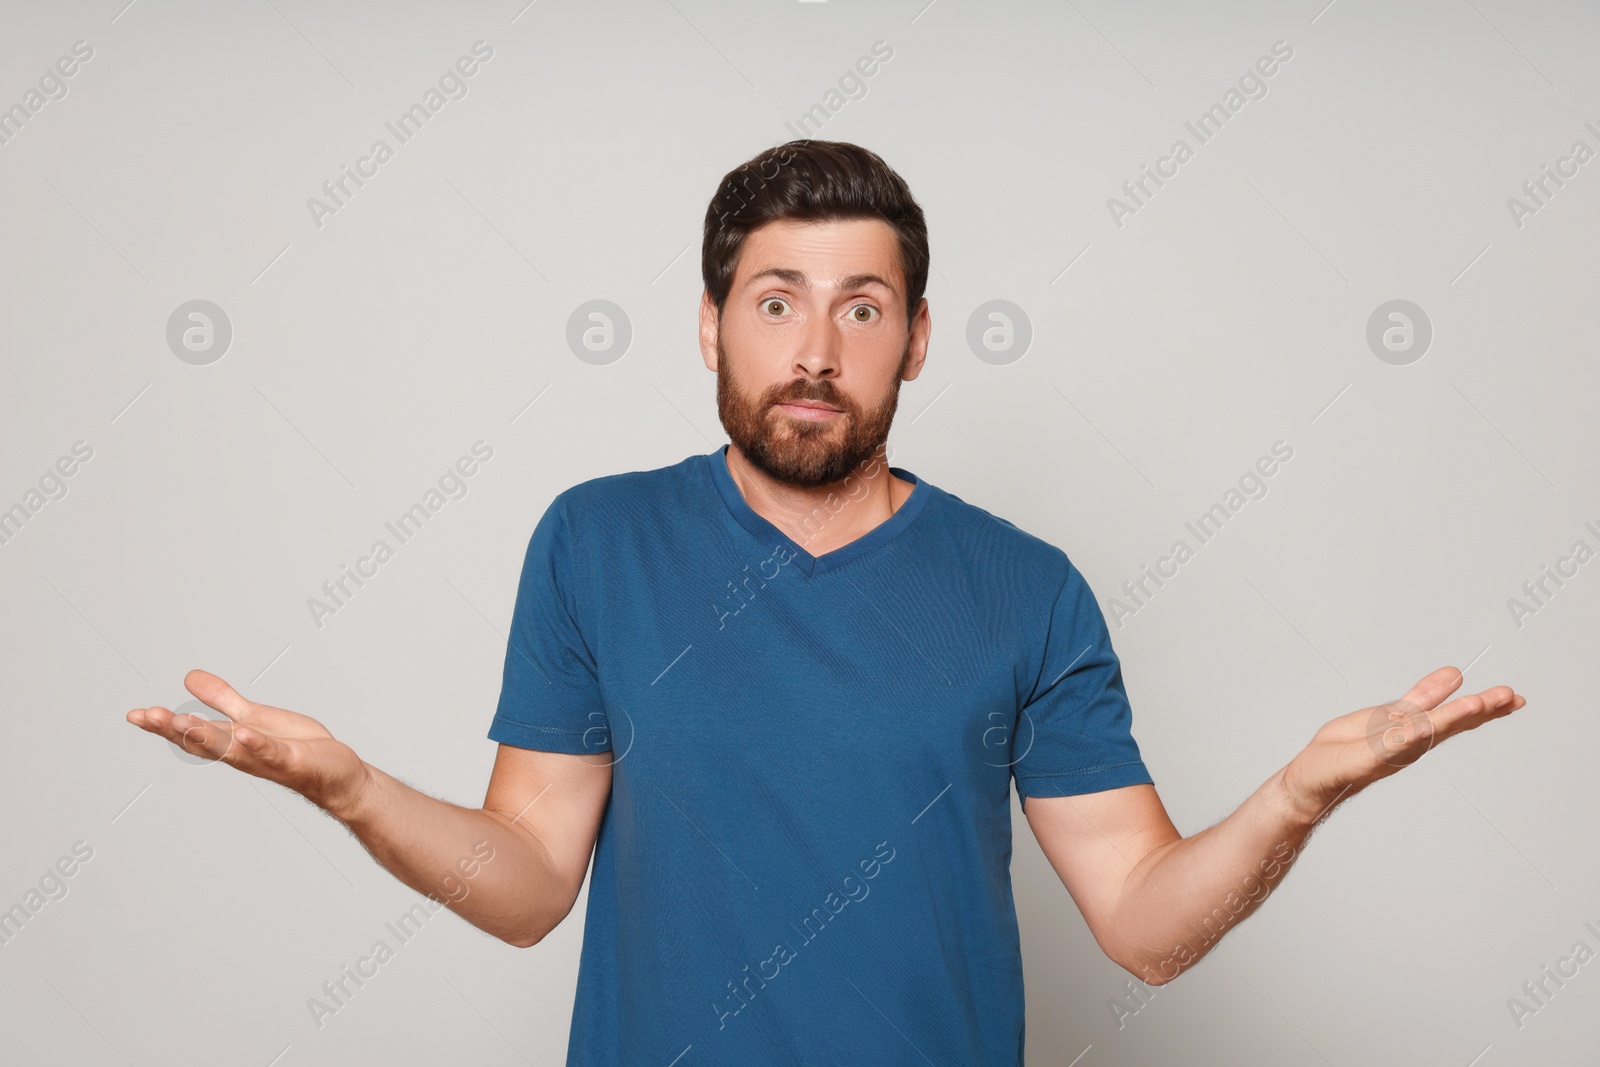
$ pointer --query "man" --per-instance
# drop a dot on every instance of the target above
(780, 692)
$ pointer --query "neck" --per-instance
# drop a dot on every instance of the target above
(828, 516)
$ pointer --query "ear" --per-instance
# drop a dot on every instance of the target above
(708, 331)
(921, 330)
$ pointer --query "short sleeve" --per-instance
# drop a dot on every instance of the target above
(550, 691)
(1075, 727)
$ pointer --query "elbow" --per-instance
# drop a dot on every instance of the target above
(528, 937)
(1151, 968)
(541, 926)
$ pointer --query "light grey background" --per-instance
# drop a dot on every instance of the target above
(1167, 354)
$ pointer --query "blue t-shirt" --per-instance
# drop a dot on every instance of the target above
(805, 857)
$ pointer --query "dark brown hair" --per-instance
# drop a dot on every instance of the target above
(811, 181)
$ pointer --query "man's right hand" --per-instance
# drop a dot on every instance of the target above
(282, 746)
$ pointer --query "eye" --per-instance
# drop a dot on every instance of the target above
(865, 307)
(774, 303)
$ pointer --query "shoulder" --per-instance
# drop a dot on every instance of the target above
(1000, 541)
(636, 498)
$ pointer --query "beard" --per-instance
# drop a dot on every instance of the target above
(795, 451)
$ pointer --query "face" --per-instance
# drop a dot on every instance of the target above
(812, 346)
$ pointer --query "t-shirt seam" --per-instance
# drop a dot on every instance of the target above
(1049, 625)
(579, 582)
(508, 721)
(1081, 771)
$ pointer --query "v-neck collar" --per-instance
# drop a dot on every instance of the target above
(810, 565)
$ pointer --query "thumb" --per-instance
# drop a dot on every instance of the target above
(216, 693)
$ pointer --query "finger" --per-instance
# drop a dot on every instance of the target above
(152, 719)
(1474, 709)
(216, 693)
(212, 739)
(1433, 688)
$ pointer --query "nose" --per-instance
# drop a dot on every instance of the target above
(820, 348)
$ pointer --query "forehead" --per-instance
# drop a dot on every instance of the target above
(825, 251)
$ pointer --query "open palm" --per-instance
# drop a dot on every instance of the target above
(282, 746)
(1351, 752)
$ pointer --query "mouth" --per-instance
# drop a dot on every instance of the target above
(809, 409)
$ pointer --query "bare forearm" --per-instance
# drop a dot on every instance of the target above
(496, 875)
(1180, 900)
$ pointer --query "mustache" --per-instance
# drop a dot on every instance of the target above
(822, 392)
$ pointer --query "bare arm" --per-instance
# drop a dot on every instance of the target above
(1157, 901)
(513, 868)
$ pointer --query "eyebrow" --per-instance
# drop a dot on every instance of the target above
(799, 280)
